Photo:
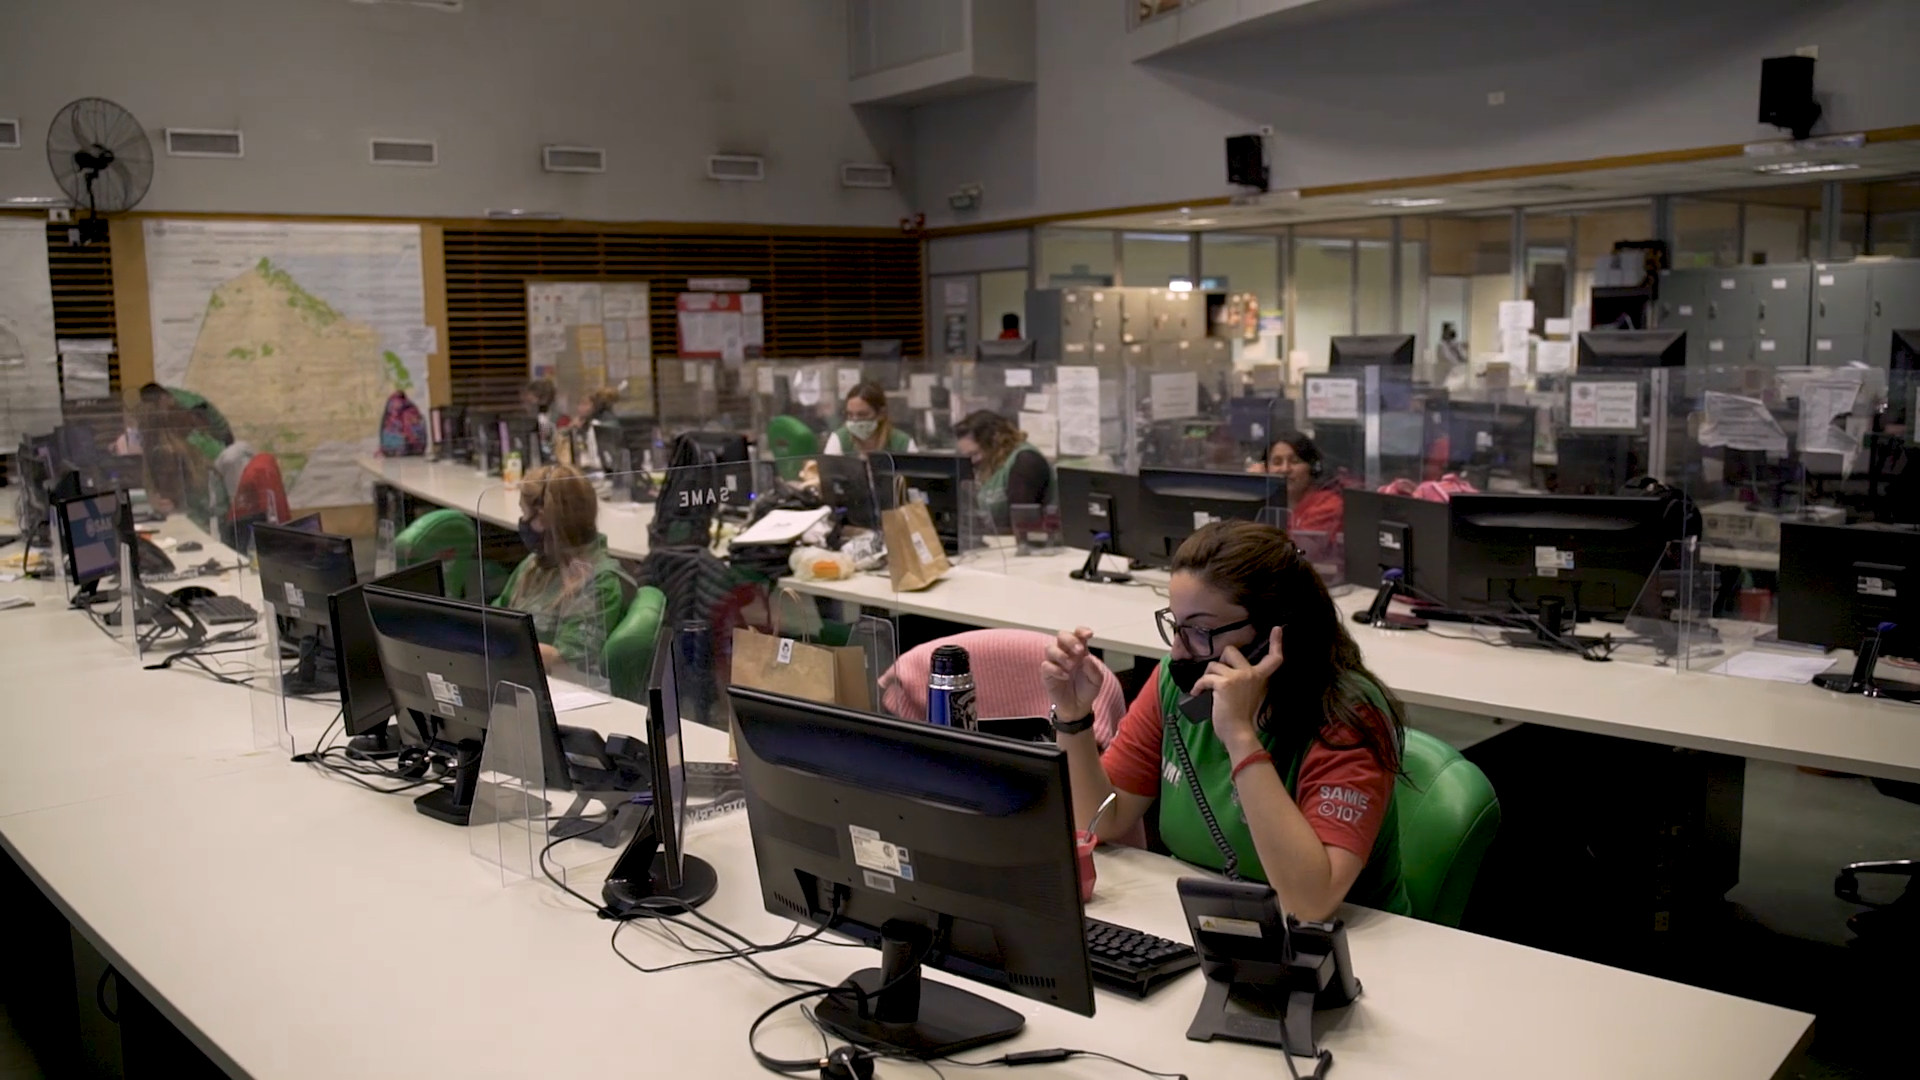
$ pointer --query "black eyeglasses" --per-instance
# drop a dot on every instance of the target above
(1197, 639)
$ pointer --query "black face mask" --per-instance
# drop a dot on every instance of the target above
(1187, 672)
(535, 542)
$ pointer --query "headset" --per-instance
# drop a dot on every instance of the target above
(842, 1063)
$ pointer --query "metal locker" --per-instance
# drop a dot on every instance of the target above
(1780, 307)
(1683, 307)
(1893, 304)
(1136, 316)
(1105, 307)
(1722, 350)
(1840, 293)
(1177, 316)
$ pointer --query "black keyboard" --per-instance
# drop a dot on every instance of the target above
(1134, 961)
(218, 610)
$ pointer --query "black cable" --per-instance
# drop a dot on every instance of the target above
(772, 1064)
(1048, 1057)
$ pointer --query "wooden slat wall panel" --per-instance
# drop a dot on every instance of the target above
(823, 294)
(82, 291)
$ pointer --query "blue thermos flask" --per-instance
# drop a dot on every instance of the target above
(950, 689)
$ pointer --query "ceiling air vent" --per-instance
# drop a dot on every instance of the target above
(587, 159)
(869, 176)
(199, 142)
(736, 167)
(416, 152)
(9, 134)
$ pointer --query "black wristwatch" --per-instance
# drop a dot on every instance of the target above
(1070, 727)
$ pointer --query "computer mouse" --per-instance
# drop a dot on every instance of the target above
(188, 546)
(187, 594)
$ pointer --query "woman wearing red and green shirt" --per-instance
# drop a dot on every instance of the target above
(1296, 764)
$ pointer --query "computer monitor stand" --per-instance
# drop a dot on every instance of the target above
(382, 742)
(313, 673)
(1378, 616)
(1861, 679)
(913, 1016)
(453, 803)
(1090, 570)
(637, 884)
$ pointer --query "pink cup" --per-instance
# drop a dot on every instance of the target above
(1083, 845)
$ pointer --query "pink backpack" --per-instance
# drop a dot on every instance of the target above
(1441, 490)
(403, 431)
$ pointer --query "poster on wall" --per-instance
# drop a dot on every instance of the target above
(256, 314)
(29, 373)
(588, 334)
(721, 326)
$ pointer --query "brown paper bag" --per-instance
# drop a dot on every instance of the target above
(827, 674)
(915, 558)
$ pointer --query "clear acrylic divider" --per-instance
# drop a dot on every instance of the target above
(129, 604)
(507, 825)
(267, 694)
(1766, 449)
(389, 522)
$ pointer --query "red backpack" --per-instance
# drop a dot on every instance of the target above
(403, 431)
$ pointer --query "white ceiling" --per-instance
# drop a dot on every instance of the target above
(1874, 161)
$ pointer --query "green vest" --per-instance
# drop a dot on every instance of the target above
(992, 494)
(898, 442)
(1185, 831)
(578, 626)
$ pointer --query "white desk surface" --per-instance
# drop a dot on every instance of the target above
(464, 488)
(1798, 725)
(264, 906)
(1795, 724)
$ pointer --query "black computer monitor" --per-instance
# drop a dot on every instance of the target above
(941, 847)
(1841, 585)
(1486, 439)
(298, 571)
(89, 533)
(483, 441)
(1631, 350)
(444, 662)
(655, 874)
(732, 462)
(1588, 555)
(1395, 532)
(366, 707)
(934, 479)
(1175, 502)
(846, 484)
(1587, 464)
(1371, 350)
(1096, 509)
(308, 523)
(1010, 350)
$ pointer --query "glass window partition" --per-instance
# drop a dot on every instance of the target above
(1075, 257)
(1155, 260)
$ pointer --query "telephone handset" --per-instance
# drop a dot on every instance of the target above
(1199, 707)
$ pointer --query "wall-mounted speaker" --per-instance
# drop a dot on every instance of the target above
(1247, 161)
(1786, 94)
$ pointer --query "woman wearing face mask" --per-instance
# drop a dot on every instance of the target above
(1298, 759)
(1315, 504)
(574, 590)
(1009, 470)
(867, 429)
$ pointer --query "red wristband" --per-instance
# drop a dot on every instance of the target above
(1253, 758)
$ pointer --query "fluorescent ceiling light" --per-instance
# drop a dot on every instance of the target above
(35, 200)
(1802, 168)
(1184, 222)
(1405, 203)
(1179, 285)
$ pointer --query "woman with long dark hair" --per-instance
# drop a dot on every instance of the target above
(1290, 779)
(1008, 470)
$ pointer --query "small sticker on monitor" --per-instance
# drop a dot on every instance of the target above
(872, 853)
(877, 881)
(295, 598)
(444, 692)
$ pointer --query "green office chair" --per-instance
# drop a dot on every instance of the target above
(791, 442)
(629, 649)
(450, 537)
(1448, 815)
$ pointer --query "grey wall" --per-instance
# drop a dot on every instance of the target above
(661, 85)
(1381, 89)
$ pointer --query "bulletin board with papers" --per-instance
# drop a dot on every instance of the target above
(587, 334)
